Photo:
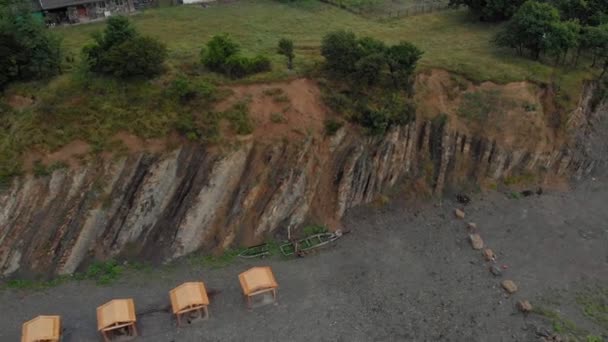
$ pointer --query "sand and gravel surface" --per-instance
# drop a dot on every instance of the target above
(404, 273)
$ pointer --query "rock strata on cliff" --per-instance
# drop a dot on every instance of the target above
(164, 206)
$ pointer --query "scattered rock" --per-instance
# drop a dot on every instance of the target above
(524, 306)
(489, 255)
(527, 193)
(552, 338)
(472, 226)
(459, 213)
(463, 199)
(476, 241)
(509, 286)
(495, 270)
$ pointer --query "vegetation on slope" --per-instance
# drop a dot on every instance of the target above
(77, 105)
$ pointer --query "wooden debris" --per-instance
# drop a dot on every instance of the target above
(459, 213)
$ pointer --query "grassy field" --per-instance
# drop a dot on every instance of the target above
(70, 107)
(451, 40)
(390, 8)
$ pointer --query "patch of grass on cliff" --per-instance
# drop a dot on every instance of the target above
(80, 106)
(41, 170)
(216, 261)
(27, 284)
(239, 119)
(102, 272)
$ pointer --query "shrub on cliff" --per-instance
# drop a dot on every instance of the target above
(390, 110)
(341, 51)
(402, 59)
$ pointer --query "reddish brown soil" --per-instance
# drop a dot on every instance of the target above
(71, 154)
(77, 151)
(298, 103)
(510, 123)
(19, 102)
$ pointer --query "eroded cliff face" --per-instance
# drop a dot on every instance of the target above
(161, 206)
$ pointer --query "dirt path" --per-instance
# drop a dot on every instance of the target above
(404, 274)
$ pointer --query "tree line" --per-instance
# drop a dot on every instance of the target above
(561, 30)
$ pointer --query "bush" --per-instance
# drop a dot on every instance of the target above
(338, 102)
(332, 126)
(121, 52)
(239, 119)
(219, 49)
(236, 66)
(186, 90)
(222, 55)
(186, 125)
(136, 57)
(387, 111)
(259, 64)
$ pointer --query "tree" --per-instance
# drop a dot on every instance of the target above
(341, 51)
(120, 51)
(285, 48)
(369, 46)
(118, 30)
(595, 40)
(561, 38)
(27, 49)
(529, 27)
(9, 64)
(402, 59)
(490, 10)
(587, 12)
(369, 69)
(573, 9)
